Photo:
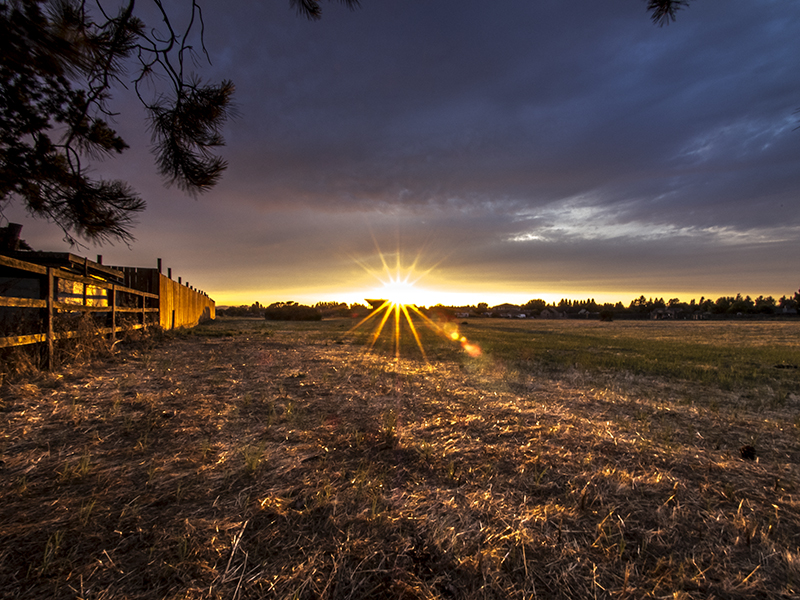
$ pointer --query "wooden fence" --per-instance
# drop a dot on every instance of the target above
(179, 305)
(168, 303)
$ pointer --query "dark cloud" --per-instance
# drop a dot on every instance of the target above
(528, 142)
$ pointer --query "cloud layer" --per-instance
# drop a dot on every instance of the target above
(526, 148)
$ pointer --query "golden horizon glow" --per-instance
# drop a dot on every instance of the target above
(427, 296)
(401, 299)
(418, 286)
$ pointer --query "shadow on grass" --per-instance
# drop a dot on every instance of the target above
(284, 464)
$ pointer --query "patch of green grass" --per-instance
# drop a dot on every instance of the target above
(77, 470)
(760, 360)
(700, 353)
(86, 512)
(51, 550)
(253, 455)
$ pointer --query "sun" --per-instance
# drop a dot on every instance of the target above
(400, 302)
(399, 283)
(400, 292)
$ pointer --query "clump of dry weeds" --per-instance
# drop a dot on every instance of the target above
(80, 340)
(281, 464)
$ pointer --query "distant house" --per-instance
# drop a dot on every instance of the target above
(505, 308)
(506, 311)
(375, 303)
(551, 313)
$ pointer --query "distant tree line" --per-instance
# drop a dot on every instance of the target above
(254, 310)
(639, 308)
(724, 305)
(291, 311)
(672, 308)
(277, 311)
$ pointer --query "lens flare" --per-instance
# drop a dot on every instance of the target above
(398, 303)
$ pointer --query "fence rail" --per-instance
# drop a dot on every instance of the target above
(118, 300)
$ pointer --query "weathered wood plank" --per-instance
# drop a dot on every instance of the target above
(67, 307)
(7, 261)
(22, 340)
(50, 290)
(62, 274)
(22, 302)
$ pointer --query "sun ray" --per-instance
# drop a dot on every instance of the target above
(414, 330)
(377, 333)
(400, 305)
(396, 311)
(375, 312)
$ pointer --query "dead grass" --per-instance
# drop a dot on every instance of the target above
(241, 461)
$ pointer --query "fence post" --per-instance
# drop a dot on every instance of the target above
(112, 297)
(49, 292)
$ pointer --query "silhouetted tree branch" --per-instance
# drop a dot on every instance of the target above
(663, 11)
(58, 62)
(312, 10)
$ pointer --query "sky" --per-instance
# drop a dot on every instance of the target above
(486, 152)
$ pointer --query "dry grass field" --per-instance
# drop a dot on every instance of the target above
(246, 459)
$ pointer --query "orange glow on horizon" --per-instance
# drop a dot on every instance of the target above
(400, 299)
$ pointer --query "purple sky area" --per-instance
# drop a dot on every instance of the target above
(510, 151)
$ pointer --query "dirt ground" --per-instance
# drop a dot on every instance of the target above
(250, 461)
